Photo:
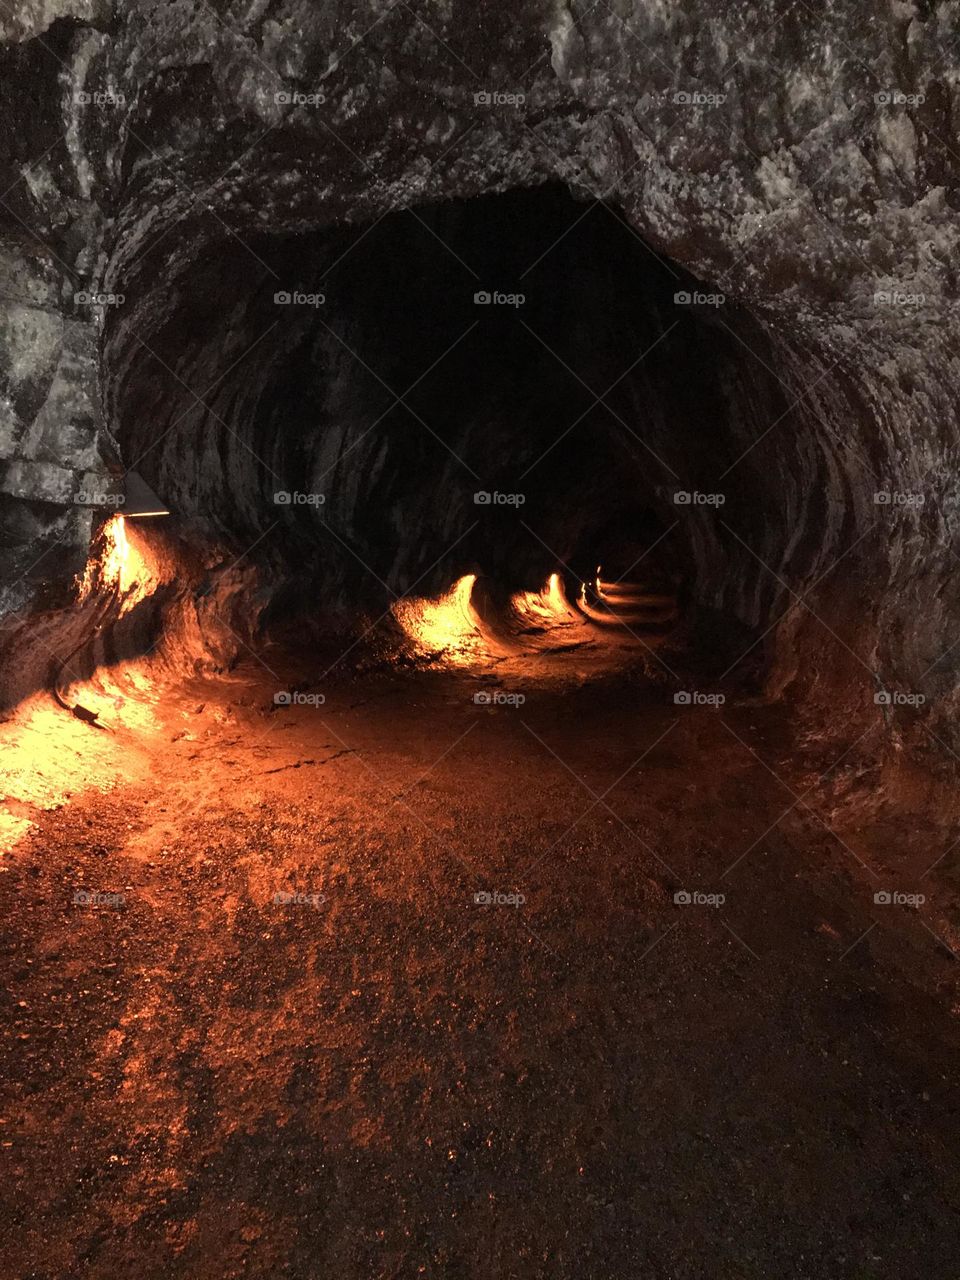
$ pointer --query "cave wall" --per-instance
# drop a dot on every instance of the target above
(802, 162)
(394, 398)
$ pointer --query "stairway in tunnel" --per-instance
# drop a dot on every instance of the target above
(629, 605)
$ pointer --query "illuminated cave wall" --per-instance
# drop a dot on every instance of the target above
(800, 166)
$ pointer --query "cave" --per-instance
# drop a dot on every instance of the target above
(478, 641)
(509, 385)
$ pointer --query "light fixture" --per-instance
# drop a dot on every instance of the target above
(140, 499)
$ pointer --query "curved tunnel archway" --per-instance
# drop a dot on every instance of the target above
(614, 408)
(163, 173)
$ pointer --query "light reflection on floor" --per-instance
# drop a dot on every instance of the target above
(535, 632)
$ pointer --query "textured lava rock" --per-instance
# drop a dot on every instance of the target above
(193, 159)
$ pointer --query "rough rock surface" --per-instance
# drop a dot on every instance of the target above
(188, 157)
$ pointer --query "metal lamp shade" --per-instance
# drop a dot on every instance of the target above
(140, 498)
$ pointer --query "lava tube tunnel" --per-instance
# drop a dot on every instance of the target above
(478, 641)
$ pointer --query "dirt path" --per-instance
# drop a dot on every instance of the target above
(376, 1075)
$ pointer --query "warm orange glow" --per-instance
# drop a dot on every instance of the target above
(49, 756)
(465, 628)
(626, 604)
(546, 607)
(121, 565)
(121, 572)
(448, 624)
(117, 555)
(592, 612)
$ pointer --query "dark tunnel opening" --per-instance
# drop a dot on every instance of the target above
(508, 386)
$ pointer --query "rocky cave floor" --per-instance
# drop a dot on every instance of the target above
(386, 1078)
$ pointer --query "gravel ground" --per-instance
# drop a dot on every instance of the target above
(283, 1038)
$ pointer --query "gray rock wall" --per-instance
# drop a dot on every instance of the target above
(801, 161)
